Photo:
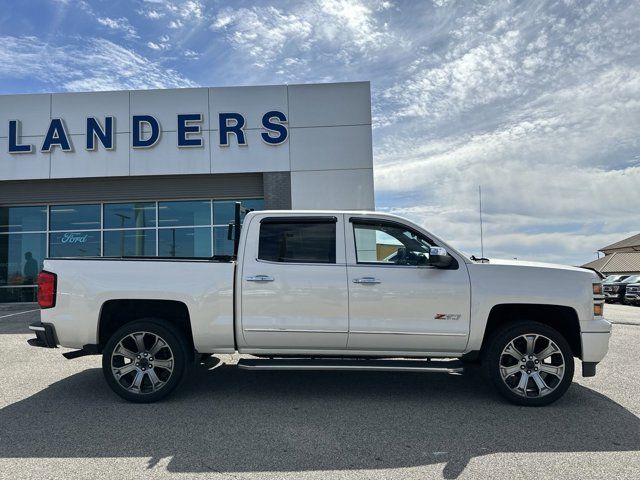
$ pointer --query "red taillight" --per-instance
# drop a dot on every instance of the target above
(46, 289)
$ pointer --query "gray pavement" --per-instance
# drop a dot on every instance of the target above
(622, 314)
(58, 419)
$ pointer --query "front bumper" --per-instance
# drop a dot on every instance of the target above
(595, 344)
(45, 335)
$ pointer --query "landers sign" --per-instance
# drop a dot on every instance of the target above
(146, 132)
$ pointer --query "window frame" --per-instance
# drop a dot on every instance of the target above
(311, 219)
(390, 223)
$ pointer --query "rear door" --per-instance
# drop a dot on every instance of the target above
(294, 286)
(397, 302)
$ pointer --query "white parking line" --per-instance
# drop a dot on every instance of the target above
(19, 313)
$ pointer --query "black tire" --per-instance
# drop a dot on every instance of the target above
(495, 363)
(175, 355)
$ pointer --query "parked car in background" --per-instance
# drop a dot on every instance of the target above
(614, 278)
(615, 291)
(632, 293)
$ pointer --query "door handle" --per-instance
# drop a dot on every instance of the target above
(260, 278)
(371, 280)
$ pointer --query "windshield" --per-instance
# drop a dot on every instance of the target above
(632, 279)
(611, 278)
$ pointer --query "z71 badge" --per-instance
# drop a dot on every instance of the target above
(447, 316)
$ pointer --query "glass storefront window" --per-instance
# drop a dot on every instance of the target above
(120, 243)
(184, 242)
(221, 243)
(130, 215)
(74, 244)
(23, 219)
(178, 214)
(21, 256)
(74, 217)
(224, 210)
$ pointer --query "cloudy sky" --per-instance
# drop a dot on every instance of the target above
(538, 102)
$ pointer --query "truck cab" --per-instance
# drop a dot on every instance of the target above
(349, 297)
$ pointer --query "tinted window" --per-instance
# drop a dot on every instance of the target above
(130, 215)
(23, 219)
(74, 217)
(175, 214)
(298, 242)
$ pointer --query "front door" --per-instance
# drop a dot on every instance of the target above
(397, 302)
(294, 284)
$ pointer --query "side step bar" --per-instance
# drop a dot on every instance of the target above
(441, 366)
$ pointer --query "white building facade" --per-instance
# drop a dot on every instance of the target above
(156, 172)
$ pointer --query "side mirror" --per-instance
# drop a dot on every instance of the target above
(439, 258)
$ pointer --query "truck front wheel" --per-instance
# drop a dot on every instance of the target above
(145, 360)
(529, 363)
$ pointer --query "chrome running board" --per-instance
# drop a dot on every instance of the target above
(436, 366)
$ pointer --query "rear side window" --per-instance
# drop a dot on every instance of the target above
(297, 242)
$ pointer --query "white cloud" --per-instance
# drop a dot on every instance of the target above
(120, 24)
(179, 13)
(356, 18)
(191, 9)
(191, 54)
(329, 29)
(263, 33)
(478, 76)
(152, 14)
(96, 64)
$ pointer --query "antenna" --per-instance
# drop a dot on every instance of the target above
(481, 236)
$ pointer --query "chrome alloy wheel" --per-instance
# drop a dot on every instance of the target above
(532, 365)
(142, 362)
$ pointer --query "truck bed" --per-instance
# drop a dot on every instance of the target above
(204, 286)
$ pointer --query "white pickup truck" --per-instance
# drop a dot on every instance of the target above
(327, 290)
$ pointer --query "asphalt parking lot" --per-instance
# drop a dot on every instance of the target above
(58, 419)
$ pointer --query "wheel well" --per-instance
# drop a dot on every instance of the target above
(116, 313)
(563, 319)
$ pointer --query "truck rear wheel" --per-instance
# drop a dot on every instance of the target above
(145, 360)
(529, 363)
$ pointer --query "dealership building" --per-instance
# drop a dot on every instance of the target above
(157, 172)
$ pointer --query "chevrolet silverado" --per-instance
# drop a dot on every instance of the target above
(327, 290)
